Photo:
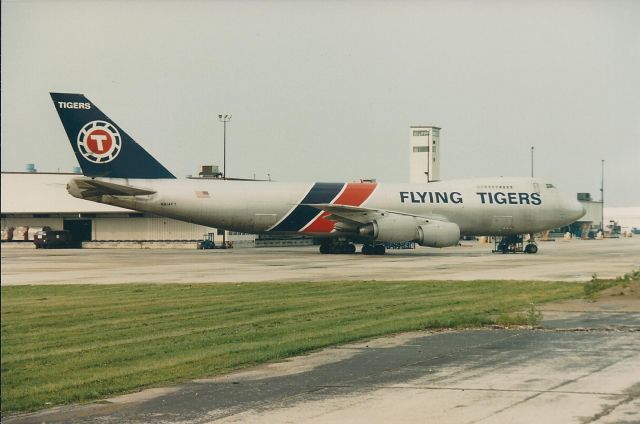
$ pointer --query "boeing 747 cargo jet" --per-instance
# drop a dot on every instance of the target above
(118, 171)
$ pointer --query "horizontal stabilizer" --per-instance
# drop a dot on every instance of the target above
(93, 188)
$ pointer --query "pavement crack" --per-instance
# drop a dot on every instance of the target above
(592, 312)
(468, 389)
(608, 409)
(552, 389)
(616, 329)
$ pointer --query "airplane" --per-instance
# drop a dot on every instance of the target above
(118, 171)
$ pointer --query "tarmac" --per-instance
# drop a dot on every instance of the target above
(575, 260)
(581, 366)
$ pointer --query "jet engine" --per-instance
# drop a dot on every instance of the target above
(438, 234)
(396, 228)
(392, 228)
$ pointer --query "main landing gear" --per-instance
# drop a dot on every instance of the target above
(373, 249)
(337, 247)
(344, 247)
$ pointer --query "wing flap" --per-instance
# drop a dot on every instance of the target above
(360, 215)
(342, 213)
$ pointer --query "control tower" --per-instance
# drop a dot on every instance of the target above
(424, 159)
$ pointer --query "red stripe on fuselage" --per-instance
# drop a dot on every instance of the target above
(355, 194)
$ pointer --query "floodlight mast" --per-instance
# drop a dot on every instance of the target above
(224, 119)
(602, 200)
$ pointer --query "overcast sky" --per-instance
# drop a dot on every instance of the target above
(326, 91)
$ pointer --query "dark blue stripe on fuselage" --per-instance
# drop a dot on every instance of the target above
(302, 215)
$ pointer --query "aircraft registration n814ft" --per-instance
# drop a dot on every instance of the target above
(118, 171)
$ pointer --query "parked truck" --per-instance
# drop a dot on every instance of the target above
(52, 239)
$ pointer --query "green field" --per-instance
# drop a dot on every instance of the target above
(73, 343)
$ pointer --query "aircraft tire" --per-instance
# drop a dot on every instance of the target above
(379, 249)
(350, 249)
(531, 248)
(325, 248)
(367, 249)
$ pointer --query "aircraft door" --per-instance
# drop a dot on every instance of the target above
(536, 188)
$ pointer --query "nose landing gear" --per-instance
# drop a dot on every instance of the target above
(515, 244)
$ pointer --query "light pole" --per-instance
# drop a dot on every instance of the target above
(531, 161)
(602, 200)
(224, 119)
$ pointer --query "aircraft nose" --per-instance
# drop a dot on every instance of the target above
(576, 210)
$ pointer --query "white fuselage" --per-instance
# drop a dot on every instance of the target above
(491, 206)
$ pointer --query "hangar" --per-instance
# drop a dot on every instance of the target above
(39, 199)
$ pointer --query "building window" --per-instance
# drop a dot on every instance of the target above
(417, 149)
(420, 133)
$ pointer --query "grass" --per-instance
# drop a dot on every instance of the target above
(75, 343)
(597, 285)
(531, 317)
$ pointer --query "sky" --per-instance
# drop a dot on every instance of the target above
(327, 90)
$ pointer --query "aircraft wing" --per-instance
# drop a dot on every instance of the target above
(360, 215)
(93, 188)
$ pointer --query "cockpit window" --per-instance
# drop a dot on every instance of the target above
(550, 186)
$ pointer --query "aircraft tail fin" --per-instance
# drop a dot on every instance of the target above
(103, 149)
